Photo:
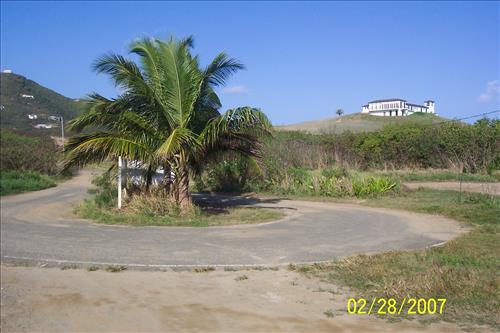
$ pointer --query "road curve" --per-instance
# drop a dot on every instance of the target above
(39, 228)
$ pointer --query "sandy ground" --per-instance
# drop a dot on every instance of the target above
(488, 188)
(55, 300)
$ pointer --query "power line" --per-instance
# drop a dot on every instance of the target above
(474, 116)
(460, 119)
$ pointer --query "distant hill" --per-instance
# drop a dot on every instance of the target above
(357, 122)
(20, 97)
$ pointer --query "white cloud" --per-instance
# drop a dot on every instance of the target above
(235, 90)
(491, 92)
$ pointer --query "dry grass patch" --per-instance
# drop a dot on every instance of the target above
(464, 271)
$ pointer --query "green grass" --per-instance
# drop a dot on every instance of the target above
(472, 208)
(12, 182)
(206, 217)
(437, 176)
(464, 270)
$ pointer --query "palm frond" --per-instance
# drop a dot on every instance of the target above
(100, 146)
(245, 120)
(182, 80)
(180, 138)
(221, 68)
(125, 73)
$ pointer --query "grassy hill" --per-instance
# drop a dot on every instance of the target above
(357, 122)
(45, 102)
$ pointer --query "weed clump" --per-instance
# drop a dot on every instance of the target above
(332, 182)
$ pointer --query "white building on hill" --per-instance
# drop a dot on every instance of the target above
(39, 126)
(396, 107)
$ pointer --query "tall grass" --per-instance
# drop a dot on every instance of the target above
(331, 182)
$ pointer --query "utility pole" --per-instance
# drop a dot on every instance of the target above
(119, 182)
(62, 132)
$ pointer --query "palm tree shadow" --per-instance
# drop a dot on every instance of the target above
(219, 203)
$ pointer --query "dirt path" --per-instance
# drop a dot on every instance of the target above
(54, 300)
(488, 188)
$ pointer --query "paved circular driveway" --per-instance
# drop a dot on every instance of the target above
(38, 227)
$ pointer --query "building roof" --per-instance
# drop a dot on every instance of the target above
(430, 100)
(387, 100)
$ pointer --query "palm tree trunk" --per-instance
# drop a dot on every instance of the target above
(183, 199)
(167, 178)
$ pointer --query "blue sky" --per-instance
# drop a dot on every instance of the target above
(304, 59)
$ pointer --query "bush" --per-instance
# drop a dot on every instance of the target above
(22, 152)
(230, 174)
(105, 192)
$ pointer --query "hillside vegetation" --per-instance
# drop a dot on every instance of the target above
(358, 122)
(15, 108)
(28, 162)
(329, 165)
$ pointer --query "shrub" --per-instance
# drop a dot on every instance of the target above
(105, 192)
(22, 152)
(230, 174)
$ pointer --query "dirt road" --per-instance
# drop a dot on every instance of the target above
(54, 300)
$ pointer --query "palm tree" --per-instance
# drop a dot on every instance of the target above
(167, 114)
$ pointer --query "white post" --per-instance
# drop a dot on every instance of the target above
(62, 132)
(119, 182)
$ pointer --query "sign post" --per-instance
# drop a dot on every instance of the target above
(119, 182)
